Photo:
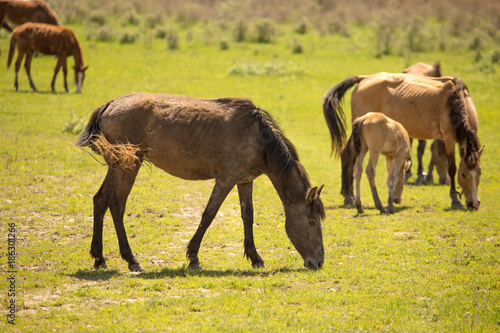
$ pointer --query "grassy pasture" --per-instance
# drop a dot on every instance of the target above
(425, 268)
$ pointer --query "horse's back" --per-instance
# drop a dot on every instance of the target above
(20, 12)
(419, 103)
(188, 137)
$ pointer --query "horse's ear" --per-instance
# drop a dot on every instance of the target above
(480, 152)
(85, 68)
(313, 194)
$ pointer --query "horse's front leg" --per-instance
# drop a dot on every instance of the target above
(452, 170)
(246, 203)
(56, 71)
(65, 72)
(219, 194)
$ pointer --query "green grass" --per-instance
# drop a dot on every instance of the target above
(425, 268)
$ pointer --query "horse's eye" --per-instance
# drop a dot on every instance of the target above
(463, 175)
(311, 222)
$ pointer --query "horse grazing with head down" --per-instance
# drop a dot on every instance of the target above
(379, 134)
(49, 40)
(428, 108)
(226, 139)
(18, 12)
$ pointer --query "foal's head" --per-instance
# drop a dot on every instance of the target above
(79, 77)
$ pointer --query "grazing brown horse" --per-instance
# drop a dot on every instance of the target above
(50, 40)
(379, 134)
(428, 108)
(18, 12)
(226, 139)
(422, 68)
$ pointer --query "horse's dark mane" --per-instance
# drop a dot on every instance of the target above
(460, 123)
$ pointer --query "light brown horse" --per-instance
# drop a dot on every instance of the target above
(379, 134)
(227, 139)
(428, 108)
(49, 40)
(18, 12)
(422, 68)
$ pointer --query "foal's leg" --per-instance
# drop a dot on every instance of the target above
(123, 185)
(245, 193)
(370, 172)
(358, 172)
(219, 193)
(420, 169)
(393, 167)
(27, 66)
(56, 71)
(101, 203)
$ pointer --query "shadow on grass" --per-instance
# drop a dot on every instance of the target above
(103, 274)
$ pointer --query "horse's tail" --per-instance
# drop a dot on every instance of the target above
(12, 49)
(356, 136)
(121, 155)
(463, 131)
(93, 129)
(334, 114)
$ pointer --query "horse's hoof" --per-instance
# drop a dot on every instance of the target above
(391, 210)
(135, 267)
(383, 212)
(429, 179)
(100, 264)
(259, 264)
(456, 205)
(349, 201)
(196, 267)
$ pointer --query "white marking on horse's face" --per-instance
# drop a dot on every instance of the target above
(79, 82)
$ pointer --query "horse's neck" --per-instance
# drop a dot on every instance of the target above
(291, 188)
(78, 54)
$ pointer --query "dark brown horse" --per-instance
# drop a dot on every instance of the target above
(428, 108)
(227, 139)
(18, 12)
(50, 40)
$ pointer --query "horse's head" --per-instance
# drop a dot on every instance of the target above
(440, 160)
(79, 77)
(468, 178)
(398, 190)
(303, 227)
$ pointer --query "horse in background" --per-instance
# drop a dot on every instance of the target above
(379, 134)
(428, 108)
(226, 139)
(422, 68)
(18, 12)
(49, 40)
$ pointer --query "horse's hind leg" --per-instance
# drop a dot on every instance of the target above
(101, 203)
(358, 172)
(245, 193)
(420, 169)
(124, 180)
(20, 56)
(219, 193)
(370, 172)
(27, 66)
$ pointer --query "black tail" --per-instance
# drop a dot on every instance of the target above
(334, 114)
(93, 128)
(356, 136)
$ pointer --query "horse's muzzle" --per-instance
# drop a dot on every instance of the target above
(474, 205)
(313, 264)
